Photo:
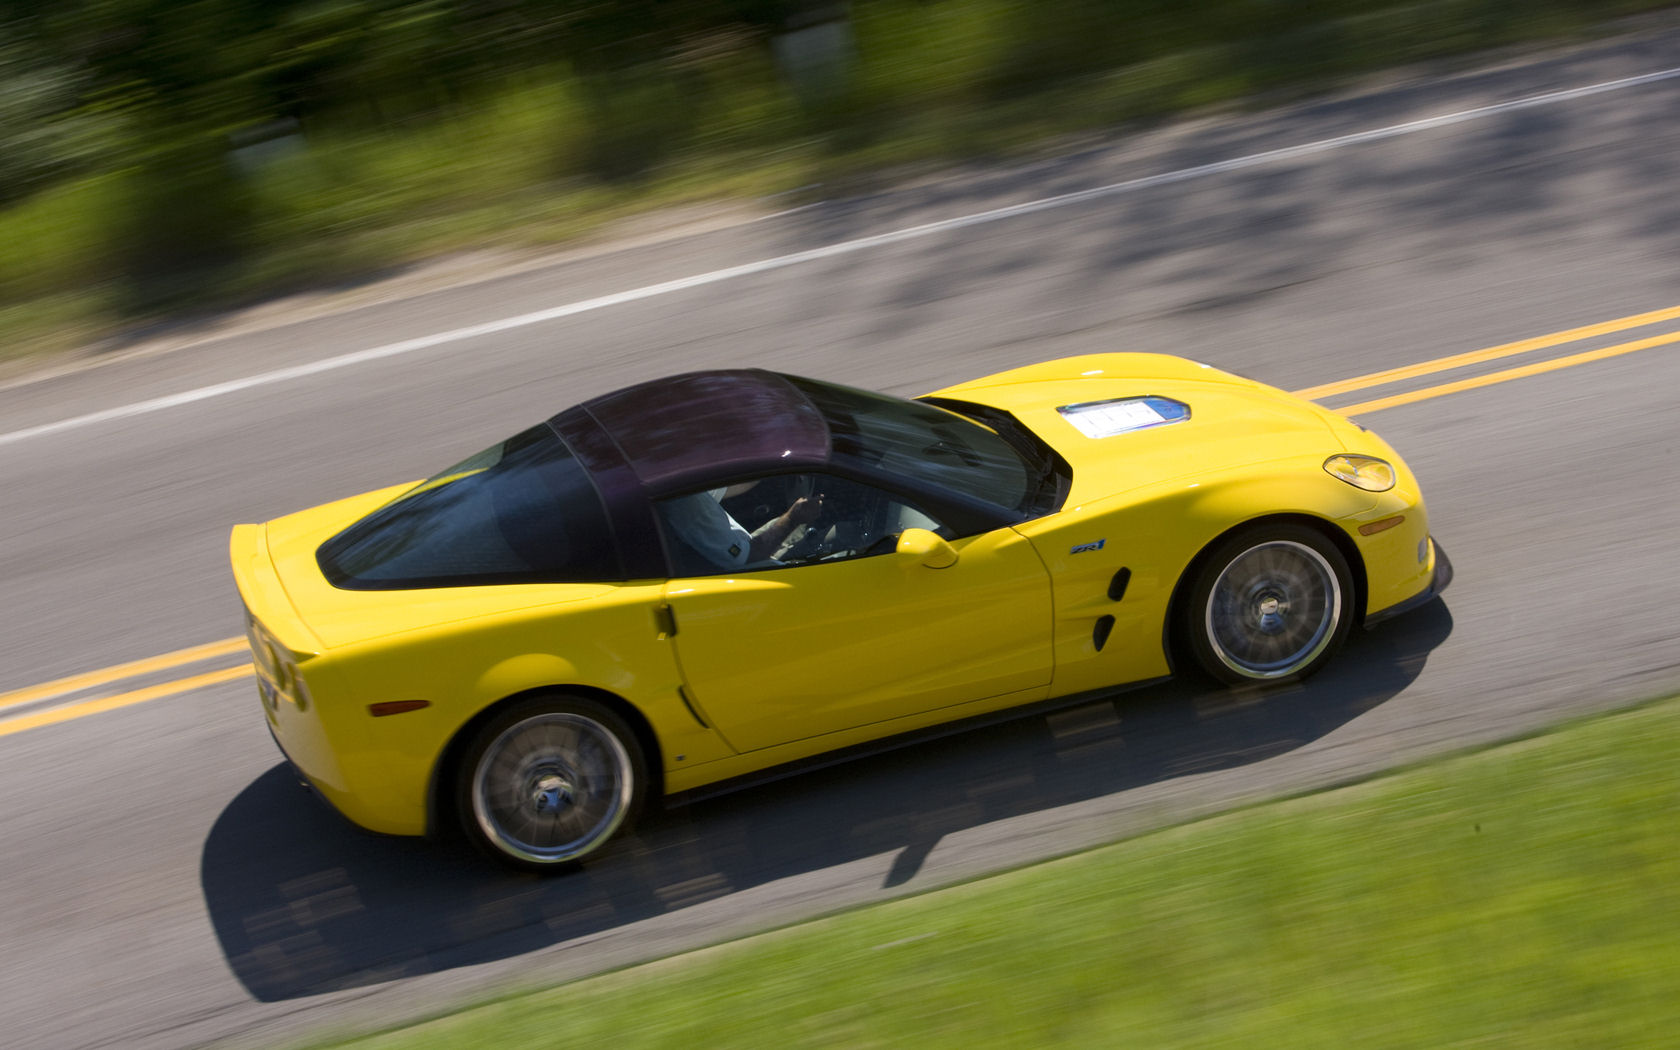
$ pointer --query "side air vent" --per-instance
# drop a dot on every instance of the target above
(1099, 633)
(1117, 586)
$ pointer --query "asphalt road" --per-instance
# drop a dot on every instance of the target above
(165, 886)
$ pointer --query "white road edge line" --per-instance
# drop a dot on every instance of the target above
(281, 375)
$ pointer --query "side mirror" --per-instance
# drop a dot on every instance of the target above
(928, 547)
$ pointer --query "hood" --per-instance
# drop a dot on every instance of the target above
(1127, 420)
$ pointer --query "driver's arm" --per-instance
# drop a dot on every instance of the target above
(770, 535)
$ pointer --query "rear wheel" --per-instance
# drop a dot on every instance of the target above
(1271, 603)
(549, 781)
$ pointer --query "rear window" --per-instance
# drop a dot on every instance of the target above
(521, 511)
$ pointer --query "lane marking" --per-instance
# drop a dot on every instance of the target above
(89, 679)
(406, 346)
(55, 715)
(1509, 374)
(1492, 353)
(230, 646)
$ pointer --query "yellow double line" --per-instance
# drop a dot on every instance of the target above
(1494, 353)
(120, 673)
(64, 687)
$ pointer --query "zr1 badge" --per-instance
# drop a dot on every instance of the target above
(1083, 547)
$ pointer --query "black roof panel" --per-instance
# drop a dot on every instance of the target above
(685, 429)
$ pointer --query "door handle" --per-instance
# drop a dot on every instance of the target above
(664, 621)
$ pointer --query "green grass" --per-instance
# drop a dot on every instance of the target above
(548, 155)
(1527, 895)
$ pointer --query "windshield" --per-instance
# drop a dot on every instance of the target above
(521, 511)
(925, 444)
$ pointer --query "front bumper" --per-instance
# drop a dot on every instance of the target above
(1438, 583)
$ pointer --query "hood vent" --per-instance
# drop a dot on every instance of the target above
(1104, 419)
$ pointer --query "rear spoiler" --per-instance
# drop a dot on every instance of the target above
(264, 595)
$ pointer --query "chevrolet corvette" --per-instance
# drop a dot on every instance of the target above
(719, 575)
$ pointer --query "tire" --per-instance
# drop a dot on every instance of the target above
(549, 781)
(1271, 603)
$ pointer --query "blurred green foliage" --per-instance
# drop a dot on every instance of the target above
(160, 152)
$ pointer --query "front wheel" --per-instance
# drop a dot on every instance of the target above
(1270, 603)
(549, 781)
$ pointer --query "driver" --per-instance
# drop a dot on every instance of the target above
(702, 523)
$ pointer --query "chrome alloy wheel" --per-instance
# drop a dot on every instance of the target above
(1273, 610)
(552, 787)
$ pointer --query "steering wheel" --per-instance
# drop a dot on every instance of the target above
(768, 498)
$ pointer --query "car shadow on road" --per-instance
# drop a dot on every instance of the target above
(303, 903)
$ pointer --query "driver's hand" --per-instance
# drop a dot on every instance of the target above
(805, 510)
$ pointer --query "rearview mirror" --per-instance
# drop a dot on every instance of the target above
(933, 551)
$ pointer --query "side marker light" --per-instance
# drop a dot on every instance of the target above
(1384, 525)
(396, 707)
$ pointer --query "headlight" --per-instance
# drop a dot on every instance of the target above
(1362, 472)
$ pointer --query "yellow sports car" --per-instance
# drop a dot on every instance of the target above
(701, 578)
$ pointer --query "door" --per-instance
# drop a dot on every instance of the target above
(840, 630)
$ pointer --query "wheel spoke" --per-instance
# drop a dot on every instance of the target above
(551, 787)
(1273, 609)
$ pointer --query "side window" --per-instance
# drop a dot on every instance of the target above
(783, 521)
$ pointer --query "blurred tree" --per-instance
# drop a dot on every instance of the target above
(167, 83)
(41, 135)
(189, 67)
(161, 91)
